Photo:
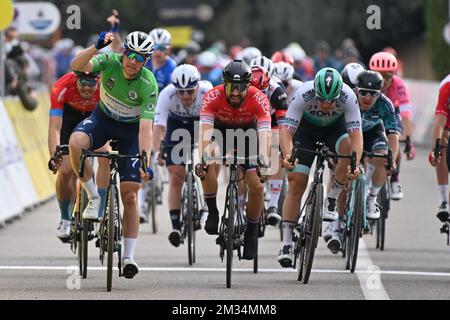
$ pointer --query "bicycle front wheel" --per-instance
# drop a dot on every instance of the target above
(310, 234)
(190, 219)
(232, 211)
(152, 205)
(111, 213)
(357, 223)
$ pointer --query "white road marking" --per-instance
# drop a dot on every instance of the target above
(249, 270)
(369, 275)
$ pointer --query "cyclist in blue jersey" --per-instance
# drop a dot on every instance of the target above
(161, 64)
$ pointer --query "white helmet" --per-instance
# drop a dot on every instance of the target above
(264, 62)
(161, 37)
(248, 54)
(140, 42)
(185, 77)
(284, 71)
(296, 51)
(207, 59)
(350, 73)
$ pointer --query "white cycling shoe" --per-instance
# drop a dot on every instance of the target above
(91, 211)
(396, 191)
(63, 232)
(130, 268)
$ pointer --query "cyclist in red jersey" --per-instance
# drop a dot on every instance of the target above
(235, 110)
(395, 89)
(73, 97)
(441, 131)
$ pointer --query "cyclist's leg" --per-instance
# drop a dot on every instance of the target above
(275, 184)
(442, 180)
(177, 175)
(89, 134)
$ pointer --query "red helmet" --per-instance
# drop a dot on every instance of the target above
(281, 56)
(260, 78)
(383, 62)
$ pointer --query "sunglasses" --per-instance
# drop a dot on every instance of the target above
(239, 86)
(322, 100)
(87, 82)
(188, 91)
(372, 93)
(161, 47)
(134, 55)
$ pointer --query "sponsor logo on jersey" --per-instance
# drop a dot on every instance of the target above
(110, 83)
(150, 107)
(321, 114)
(309, 95)
(132, 95)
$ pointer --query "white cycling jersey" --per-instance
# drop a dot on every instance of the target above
(169, 105)
(305, 105)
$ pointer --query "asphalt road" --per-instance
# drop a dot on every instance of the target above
(34, 264)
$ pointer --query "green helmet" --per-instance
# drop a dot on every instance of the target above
(328, 84)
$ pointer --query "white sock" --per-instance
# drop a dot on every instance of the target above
(443, 192)
(335, 190)
(275, 190)
(288, 230)
(369, 172)
(375, 190)
(130, 245)
(91, 189)
(142, 194)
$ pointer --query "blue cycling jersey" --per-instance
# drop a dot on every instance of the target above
(163, 75)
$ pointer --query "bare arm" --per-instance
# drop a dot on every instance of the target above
(205, 135)
(394, 144)
(357, 142)
(286, 137)
(54, 133)
(82, 61)
(158, 134)
(145, 135)
(438, 127)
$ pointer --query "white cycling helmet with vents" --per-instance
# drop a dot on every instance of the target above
(140, 42)
(284, 71)
(161, 37)
(264, 62)
(185, 77)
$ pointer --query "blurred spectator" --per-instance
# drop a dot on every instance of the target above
(16, 66)
(63, 56)
(400, 62)
(189, 54)
(234, 51)
(303, 65)
(322, 58)
(209, 67)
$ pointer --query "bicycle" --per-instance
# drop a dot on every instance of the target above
(80, 229)
(110, 233)
(309, 228)
(232, 223)
(383, 201)
(192, 207)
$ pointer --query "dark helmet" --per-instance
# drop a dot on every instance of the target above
(350, 74)
(237, 71)
(370, 80)
(87, 75)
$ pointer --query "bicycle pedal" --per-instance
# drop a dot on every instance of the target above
(445, 229)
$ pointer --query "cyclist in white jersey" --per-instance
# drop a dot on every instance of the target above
(177, 113)
(285, 72)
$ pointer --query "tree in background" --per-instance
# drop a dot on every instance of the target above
(436, 12)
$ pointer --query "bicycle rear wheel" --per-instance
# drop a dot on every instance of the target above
(383, 201)
(84, 224)
(280, 205)
(232, 211)
(357, 223)
(310, 234)
(152, 205)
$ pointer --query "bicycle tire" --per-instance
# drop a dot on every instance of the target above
(84, 232)
(190, 219)
(255, 261)
(110, 232)
(312, 227)
(152, 205)
(280, 206)
(357, 224)
(232, 208)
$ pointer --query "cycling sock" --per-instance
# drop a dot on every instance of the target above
(335, 190)
(91, 189)
(130, 245)
(175, 218)
(275, 190)
(375, 190)
(288, 230)
(396, 174)
(142, 194)
(102, 193)
(211, 202)
(443, 191)
(369, 172)
(64, 207)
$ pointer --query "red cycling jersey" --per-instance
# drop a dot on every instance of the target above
(65, 91)
(254, 108)
(444, 100)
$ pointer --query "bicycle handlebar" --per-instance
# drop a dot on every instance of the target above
(324, 153)
(388, 157)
